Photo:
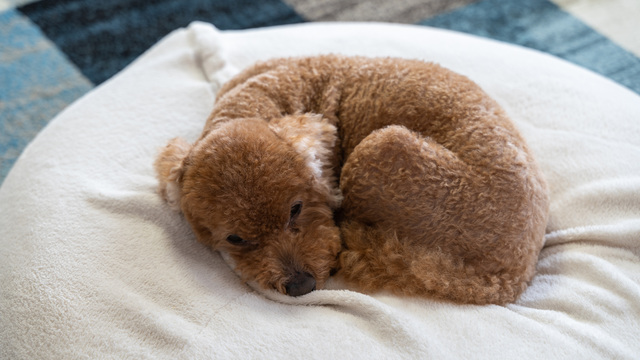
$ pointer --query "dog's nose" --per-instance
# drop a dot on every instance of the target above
(301, 283)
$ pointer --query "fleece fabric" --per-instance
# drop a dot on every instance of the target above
(93, 264)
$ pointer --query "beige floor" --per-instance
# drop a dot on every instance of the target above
(619, 20)
(402, 11)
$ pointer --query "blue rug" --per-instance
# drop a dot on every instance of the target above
(541, 25)
(102, 37)
(53, 52)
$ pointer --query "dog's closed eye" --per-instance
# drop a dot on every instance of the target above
(296, 208)
(236, 240)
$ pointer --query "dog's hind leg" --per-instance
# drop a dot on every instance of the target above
(400, 180)
(418, 222)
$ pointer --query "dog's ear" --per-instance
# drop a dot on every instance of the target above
(313, 137)
(170, 166)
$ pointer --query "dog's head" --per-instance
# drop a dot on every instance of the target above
(262, 194)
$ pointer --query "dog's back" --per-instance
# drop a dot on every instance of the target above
(442, 197)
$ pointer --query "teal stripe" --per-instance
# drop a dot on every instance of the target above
(37, 83)
(541, 25)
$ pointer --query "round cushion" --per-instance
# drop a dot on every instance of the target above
(95, 264)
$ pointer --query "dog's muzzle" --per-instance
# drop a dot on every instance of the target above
(300, 283)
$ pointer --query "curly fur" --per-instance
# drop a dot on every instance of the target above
(410, 178)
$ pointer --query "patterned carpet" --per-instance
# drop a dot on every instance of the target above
(54, 51)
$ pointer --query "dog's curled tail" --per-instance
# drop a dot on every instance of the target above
(376, 260)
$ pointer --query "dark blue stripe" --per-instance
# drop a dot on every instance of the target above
(102, 36)
(541, 25)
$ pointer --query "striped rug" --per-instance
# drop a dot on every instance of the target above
(54, 51)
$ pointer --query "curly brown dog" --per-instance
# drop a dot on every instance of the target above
(403, 175)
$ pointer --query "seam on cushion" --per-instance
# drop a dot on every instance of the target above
(180, 354)
(624, 233)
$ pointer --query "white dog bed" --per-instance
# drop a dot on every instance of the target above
(94, 264)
